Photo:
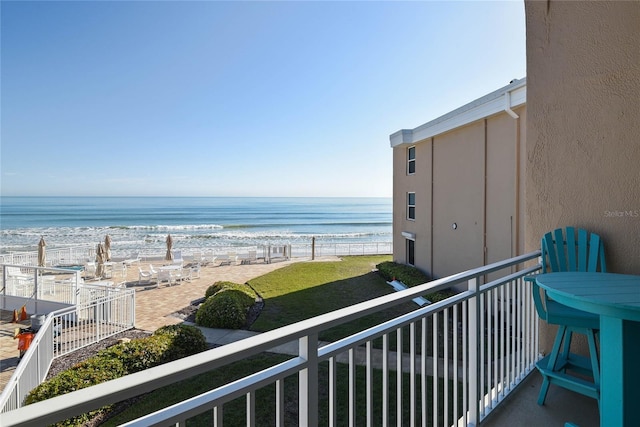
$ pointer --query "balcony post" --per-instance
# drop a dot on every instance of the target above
(474, 353)
(308, 381)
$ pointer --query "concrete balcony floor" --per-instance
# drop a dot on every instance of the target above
(561, 406)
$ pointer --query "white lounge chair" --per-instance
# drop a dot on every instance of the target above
(144, 275)
(89, 270)
(165, 276)
(177, 258)
(198, 257)
(247, 258)
(223, 259)
(233, 257)
(194, 271)
(136, 258)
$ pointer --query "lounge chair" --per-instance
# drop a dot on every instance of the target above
(136, 258)
(165, 276)
(247, 258)
(197, 257)
(223, 259)
(144, 275)
(177, 258)
(90, 270)
(194, 271)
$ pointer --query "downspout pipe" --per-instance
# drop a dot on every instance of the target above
(507, 105)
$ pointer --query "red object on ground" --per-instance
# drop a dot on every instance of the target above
(24, 341)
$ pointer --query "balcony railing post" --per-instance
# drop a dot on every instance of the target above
(308, 381)
(474, 353)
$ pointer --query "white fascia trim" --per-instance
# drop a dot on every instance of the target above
(511, 96)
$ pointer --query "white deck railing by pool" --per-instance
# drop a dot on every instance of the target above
(76, 255)
(73, 314)
(478, 344)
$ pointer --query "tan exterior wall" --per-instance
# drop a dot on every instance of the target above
(420, 183)
(458, 198)
(504, 188)
(583, 125)
(472, 177)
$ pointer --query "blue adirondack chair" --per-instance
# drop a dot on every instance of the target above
(561, 251)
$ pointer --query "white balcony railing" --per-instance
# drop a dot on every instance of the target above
(476, 346)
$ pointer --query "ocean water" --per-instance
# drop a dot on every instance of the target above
(142, 223)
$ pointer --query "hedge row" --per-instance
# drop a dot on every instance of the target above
(226, 306)
(165, 345)
(410, 276)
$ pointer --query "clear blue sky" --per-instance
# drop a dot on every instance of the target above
(236, 98)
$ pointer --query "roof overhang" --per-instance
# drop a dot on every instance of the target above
(503, 99)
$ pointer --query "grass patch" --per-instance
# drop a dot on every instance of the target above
(304, 290)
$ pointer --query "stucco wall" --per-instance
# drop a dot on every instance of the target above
(583, 131)
(458, 198)
(583, 125)
(503, 186)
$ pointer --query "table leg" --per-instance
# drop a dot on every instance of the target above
(620, 372)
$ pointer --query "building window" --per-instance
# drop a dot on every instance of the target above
(411, 205)
(411, 248)
(411, 160)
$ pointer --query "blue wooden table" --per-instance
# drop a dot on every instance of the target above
(616, 298)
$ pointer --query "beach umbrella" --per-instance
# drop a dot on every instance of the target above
(169, 256)
(107, 247)
(100, 258)
(42, 255)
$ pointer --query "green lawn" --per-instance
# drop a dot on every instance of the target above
(307, 289)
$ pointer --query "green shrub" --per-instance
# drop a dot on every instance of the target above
(84, 374)
(185, 340)
(227, 308)
(410, 276)
(166, 344)
(139, 354)
(221, 285)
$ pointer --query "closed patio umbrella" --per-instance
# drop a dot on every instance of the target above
(169, 255)
(100, 258)
(107, 247)
(42, 255)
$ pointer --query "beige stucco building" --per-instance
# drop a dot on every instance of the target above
(458, 185)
